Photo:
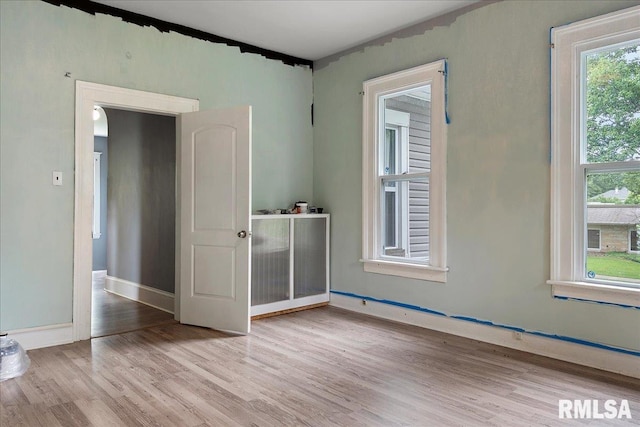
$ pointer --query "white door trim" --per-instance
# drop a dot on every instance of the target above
(88, 95)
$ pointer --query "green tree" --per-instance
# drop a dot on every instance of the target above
(632, 182)
(613, 115)
(613, 105)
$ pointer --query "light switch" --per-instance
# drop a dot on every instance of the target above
(57, 178)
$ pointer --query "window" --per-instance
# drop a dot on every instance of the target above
(595, 136)
(634, 241)
(593, 239)
(404, 160)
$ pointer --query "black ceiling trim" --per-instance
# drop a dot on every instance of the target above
(164, 26)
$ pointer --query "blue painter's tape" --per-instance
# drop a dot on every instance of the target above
(613, 304)
(471, 319)
(389, 302)
(349, 294)
(447, 119)
(489, 323)
(413, 307)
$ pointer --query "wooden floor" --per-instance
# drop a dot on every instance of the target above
(113, 314)
(322, 367)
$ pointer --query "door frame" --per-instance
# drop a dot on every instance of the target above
(87, 95)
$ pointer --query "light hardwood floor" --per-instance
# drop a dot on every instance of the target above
(321, 367)
(113, 314)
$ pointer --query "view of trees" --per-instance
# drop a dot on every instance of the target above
(613, 118)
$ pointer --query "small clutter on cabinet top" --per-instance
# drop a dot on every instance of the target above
(300, 207)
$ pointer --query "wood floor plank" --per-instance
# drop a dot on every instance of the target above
(68, 414)
(322, 367)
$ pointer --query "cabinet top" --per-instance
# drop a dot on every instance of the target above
(295, 216)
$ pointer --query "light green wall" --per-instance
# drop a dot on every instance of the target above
(39, 43)
(498, 170)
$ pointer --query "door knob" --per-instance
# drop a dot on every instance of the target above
(242, 234)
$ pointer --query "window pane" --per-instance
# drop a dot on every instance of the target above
(613, 208)
(593, 239)
(613, 188)
(390, 212)
(613, 104)
(634, 240)
(390, 151)
(405, 223)
(411, 112)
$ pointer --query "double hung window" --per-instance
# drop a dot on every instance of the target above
(404, 149)
(596, 151)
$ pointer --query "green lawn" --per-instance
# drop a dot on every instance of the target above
(615, 264)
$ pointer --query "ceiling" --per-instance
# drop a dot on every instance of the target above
(307, 29)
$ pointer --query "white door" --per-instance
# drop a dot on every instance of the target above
(215, 218)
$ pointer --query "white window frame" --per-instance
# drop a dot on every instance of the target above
(373, 260)
(568, 207)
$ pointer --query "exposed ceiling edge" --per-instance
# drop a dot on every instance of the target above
(414, 30)
(165, 27)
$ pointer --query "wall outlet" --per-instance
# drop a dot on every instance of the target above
(57, 178)
(517, 335)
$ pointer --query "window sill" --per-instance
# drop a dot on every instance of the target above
(412, 271)
(596, 292)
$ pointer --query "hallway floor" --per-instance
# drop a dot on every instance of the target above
(112, 314)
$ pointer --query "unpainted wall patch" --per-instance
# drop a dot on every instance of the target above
(165, 27)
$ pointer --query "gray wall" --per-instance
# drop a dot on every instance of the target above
(39, 43)
(100, 245)
(141, 198)
(498, 173)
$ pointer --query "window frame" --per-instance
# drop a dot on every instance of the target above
(568, 172)
(372, 233)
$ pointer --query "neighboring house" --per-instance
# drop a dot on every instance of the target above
(613, 228)
(618, 193)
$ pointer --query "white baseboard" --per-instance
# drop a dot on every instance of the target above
(43, 336)
(608, 360)
(143, 294)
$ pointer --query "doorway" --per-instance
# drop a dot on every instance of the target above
(134, 245)
(88, 95)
